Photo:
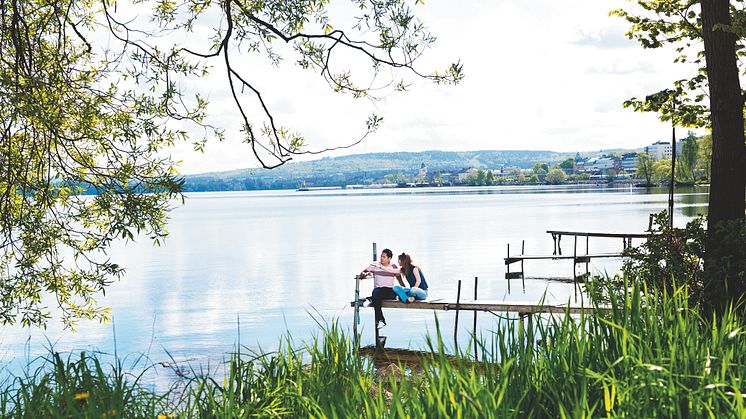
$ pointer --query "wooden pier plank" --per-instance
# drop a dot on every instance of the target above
(488, 305)
(592, 234)
(578, 258)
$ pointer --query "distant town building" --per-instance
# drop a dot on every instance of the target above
(660, 150)
(578, 164)
(465, 173)
(600, 165)
(423, 171)
(501, 172)
(629, 162)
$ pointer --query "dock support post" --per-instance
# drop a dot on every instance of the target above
(523, 276)
(455, 325)
(521, 329)
(574, 268)
(530, 335)
(554, 239)
(476, 281)
(526, 331)
(508, 267)
(380, 340)
(356, 314)
(588, 261)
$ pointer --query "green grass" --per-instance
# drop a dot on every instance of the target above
(650, 356)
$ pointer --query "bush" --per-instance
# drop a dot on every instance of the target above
(670, 256)
(556, 176)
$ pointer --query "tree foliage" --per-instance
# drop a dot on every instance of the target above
(556, 176)
(656, 24)
(710, 34)
(704, 162)
(686, 169)
(662, 171)
(568, 164)
(645, 168)
(480, 178)
(670, 257)
(541, 168)
(92, 92)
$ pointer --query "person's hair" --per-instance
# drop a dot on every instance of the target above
(388, 253)
(406, 263)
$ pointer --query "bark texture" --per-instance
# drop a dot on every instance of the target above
(724, 272)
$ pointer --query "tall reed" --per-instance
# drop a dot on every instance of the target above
(650, 355)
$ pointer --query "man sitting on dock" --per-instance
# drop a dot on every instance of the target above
(383, 283)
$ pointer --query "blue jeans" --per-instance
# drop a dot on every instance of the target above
(417, 293)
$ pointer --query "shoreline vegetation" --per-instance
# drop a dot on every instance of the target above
(654, 354)
(614, 183)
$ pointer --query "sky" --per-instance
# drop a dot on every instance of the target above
(539, 75)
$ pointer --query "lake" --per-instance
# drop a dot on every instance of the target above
(272, 262)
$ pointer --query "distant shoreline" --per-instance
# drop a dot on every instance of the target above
(626, 182)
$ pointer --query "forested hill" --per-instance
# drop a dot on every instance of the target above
(359, 168)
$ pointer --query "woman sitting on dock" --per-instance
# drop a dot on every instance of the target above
(417, 285)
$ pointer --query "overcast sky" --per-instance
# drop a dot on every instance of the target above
(540, 75)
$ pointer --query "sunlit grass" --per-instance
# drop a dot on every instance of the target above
(647, 357)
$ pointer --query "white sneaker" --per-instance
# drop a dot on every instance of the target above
(410, 299)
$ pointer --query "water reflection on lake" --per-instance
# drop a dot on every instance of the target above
(274, 259)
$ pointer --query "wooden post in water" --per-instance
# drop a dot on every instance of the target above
(523, 276)
(476, 281)
(380, 340)
(589, 259)
(530, 334)
(455, 325)
(356, 315)
(508, 269)
(574, 268)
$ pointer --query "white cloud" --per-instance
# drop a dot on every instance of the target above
(539, 75)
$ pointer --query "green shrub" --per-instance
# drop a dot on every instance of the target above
(670, 256)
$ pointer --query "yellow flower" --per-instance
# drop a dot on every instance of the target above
(170, 415)
(82, 396)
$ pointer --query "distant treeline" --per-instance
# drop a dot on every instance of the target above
(365, 168)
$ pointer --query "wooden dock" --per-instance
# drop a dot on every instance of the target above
(521, 308)
(577, 257)
(626, 238)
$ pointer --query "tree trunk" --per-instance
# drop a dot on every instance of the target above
(724, 281)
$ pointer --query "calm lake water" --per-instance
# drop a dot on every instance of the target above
(268, 263)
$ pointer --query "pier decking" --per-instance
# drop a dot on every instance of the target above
(626, 238)
(522, 308)
(576, 256)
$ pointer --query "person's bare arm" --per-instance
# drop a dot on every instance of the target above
(392, 269)
(398, 278)
(366, 272)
